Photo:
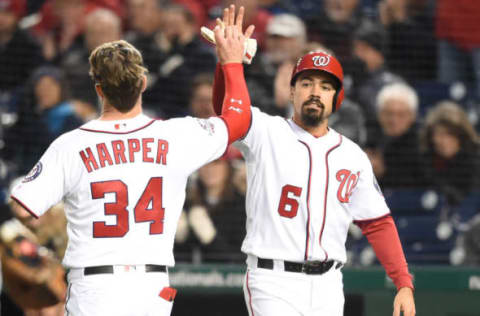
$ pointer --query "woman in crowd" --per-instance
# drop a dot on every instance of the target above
(449, 145)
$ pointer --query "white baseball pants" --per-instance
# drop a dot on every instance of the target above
(276, 292)
(128, 291)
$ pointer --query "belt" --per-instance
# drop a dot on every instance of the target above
(110, 269)
(309, 267)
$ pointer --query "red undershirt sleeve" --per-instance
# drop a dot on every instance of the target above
(235, 105)
(218, 89)
(383, 236)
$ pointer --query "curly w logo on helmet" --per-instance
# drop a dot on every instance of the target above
(321, 61)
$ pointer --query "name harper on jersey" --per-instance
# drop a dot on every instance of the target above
(124, 151)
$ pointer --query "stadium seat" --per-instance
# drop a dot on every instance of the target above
(413, 201)
(431, 92)
(466, 210)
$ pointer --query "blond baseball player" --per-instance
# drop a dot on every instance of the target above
(122, 178)
(306, 184)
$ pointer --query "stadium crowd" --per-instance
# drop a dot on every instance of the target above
(412, 83)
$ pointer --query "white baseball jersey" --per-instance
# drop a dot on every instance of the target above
(123, 185)
(303, 192)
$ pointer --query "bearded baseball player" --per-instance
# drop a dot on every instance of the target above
(122, 178)
(306, 184)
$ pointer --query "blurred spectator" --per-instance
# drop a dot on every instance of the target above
(144, 17)
(187, 55)
(411, 41)
(350, 122)
(254, 14)
(145, 31)
(216, 213)
(201, 96)
(450, 149)
(369, 48)
(63, 23)
(458, 31)
(46, 113)
(335, 26)
(394, 151)
(198, 8)
(19, 53)
(279, 6)
(268, 78)
(101, 26)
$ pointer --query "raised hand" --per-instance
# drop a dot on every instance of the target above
(229, 36)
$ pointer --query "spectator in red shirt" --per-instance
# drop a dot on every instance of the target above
(458, 31)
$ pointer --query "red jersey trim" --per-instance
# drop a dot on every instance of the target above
(249, 295)
(24, 206)
(365, 221)
(118, 133)
(326, 193)
(308, 198)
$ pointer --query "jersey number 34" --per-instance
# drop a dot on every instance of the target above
(152, 195)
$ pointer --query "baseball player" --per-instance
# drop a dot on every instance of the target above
(305, 184)
(122, 179)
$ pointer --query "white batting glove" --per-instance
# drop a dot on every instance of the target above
(250, 44)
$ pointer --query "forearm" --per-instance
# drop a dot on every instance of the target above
(218, 89)
(383, 236)
(235, 109)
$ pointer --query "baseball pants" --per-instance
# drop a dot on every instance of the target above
(277, 292)
(129, 290)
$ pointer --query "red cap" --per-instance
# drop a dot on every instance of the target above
(17, 7)
(318, 60)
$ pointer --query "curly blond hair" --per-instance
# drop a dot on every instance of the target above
(118, 68)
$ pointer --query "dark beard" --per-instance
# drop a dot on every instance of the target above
(311, 117)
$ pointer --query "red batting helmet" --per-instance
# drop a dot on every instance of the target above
(318, 60)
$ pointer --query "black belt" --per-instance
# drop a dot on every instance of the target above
(109, 269)
(310, 267)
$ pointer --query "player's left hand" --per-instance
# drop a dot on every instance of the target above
(404, 302)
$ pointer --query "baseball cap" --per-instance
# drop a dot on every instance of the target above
(287, 25)
(17, 7)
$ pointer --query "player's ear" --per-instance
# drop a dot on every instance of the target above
(144, 84)
(98, 88)
(292, 92)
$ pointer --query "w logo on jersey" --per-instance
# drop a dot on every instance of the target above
(348, 181)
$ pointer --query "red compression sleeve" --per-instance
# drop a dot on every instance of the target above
(236, 111)
(383, 236)
(218, 89)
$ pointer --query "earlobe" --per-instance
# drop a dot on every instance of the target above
(98, 88)
(292, 92)
(144, 84)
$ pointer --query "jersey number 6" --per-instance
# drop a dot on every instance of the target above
(285, 201)
(154, 215)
